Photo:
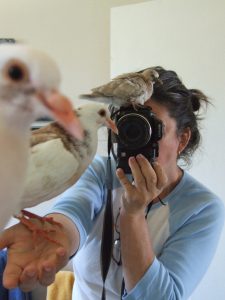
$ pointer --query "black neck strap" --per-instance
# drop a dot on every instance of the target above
(108, 224)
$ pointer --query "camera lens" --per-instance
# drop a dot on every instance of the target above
(134, 130)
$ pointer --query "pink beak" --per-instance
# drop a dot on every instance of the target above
(63, 112)
(111, 124)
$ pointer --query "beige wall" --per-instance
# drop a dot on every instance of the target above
(74, 32)
(189, 37)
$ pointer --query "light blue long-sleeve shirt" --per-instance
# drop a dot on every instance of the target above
(184, 234)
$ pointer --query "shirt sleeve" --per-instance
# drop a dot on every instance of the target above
(83, 201)
(184, 259)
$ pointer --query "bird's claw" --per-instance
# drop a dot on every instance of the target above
(36, 230)
(42, 219)
(135, 105)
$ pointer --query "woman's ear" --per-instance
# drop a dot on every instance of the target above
(184, 139)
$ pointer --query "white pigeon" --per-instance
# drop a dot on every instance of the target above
(126, 89)
(29, 81)
(57, 160)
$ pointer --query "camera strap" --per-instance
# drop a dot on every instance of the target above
(108, 223)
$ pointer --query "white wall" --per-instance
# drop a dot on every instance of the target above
(189, 37)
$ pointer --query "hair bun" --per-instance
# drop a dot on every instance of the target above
(196, 98)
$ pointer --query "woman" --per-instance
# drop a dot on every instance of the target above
(165, 252)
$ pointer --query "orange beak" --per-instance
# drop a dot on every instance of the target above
(63, 112)
(111, 124)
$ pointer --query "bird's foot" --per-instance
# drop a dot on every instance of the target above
(135, 105)
(42, 219)
(37, 231)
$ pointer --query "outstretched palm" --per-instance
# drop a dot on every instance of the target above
(30, 261)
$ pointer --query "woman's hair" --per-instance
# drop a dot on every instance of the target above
(182, 104)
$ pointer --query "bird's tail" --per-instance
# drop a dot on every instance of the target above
(97, 98)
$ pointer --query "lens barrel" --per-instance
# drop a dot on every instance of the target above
(139, 131)
(134, 130)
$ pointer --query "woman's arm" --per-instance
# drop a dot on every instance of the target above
(186, 253)
(136, 246)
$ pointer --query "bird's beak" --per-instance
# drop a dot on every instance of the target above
(63, 112)
(111, 124)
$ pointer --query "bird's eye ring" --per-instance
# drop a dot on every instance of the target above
(16, 71)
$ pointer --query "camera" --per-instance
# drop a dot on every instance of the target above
(139, 131)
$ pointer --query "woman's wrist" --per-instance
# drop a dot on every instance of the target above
(131, 215)
(136, 248)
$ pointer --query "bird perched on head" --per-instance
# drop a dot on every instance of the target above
(29, 82)
(126, 89)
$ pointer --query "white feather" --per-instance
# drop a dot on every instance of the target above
(50, 168)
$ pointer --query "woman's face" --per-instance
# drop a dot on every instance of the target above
(170, 141)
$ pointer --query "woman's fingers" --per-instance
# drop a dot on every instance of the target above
(153, 173)
(148, 173)
(43, 269)
(48, 272)
(126, 184)
(28, 279)
(139, 179)
(161, 175)
(146, 176)
(11, 276)
(31, 277)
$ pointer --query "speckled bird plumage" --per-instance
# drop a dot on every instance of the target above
(126, 89)
(58, 160)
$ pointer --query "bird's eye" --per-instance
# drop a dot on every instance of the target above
(102, 112)
(16, 71)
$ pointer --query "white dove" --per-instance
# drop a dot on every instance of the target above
(29, 82)
(126, 89)
(57, 160)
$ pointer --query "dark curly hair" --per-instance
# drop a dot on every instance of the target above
(182, 104)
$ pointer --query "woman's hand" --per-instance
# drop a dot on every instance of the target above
(149, 181)
(29, 262)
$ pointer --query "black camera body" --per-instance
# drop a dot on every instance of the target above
(139, 131)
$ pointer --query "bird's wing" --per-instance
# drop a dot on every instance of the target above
(51, 170)
(123, 87)
(43, 134)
